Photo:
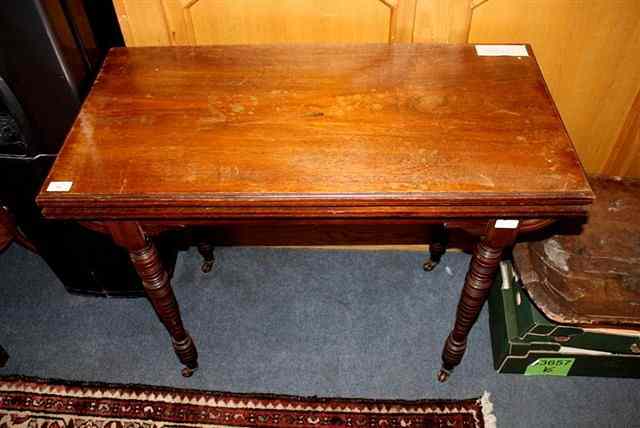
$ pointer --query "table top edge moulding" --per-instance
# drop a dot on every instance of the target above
(319, 206)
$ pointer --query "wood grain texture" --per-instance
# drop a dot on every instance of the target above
(206, 22)
(442, 21)
(143, 22)
(625, 156)
(402, 25)
(397, 130)
(588, 52)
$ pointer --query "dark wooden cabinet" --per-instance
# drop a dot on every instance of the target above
(50, 52)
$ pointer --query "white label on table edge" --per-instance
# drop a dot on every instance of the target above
(59, 186)
(502, 50)
(507, 224)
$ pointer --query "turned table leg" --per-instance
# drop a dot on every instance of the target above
(157, 286)
(482, 270)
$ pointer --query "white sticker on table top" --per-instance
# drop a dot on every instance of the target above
(502, 50)
(507, 224)
(59, 186)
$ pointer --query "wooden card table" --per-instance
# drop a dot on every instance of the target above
(286, 137)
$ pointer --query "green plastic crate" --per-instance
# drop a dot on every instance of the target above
(525, 341)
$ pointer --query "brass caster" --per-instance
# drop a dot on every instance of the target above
(187, 371)
(206, 266)
(443, 375)
(429, 265)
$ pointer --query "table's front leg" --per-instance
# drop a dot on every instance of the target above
(477, 284)
(157, 286)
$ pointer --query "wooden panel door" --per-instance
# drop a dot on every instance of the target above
(205, 22)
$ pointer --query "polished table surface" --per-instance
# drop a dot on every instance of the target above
(208, 129)
(317, 133)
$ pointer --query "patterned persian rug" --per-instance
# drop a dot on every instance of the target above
(37, 403)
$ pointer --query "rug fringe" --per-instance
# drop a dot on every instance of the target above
(487, 410)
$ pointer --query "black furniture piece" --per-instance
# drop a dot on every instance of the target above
(50, 51)
(4, 357)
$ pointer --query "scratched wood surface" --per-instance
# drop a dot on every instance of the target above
(319, 125)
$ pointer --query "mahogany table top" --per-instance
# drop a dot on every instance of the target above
(353, 129)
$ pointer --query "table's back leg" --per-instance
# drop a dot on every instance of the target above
(482, 270)
(205, 249)
(437, 247)
(157, 286)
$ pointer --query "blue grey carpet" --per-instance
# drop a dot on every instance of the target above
(287, 321)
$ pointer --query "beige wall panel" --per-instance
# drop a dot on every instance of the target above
(634, 170)
(189, 22)
(403, 16)
(588, 51)
(178, 21)
(290, 21)
(142, 22)
(625, 157)
(442, 21)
